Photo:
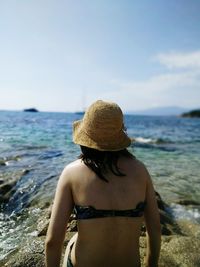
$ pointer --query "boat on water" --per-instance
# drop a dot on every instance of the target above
(82, 105)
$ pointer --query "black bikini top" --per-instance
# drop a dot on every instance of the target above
(89, 212)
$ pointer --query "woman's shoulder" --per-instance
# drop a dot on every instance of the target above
(139, 168)
(136, 163)
(140, 164)
(73, 166)
(73, 163)
(70, 172)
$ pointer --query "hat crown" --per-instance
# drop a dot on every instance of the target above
(103, 118)
(101, 128)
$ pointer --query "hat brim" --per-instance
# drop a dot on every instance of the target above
(116, 143)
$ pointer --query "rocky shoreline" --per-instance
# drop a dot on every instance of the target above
(180, 239)
(177, 250)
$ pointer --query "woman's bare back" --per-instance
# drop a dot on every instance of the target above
(111, 241)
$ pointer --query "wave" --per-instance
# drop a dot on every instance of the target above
(25, 191)
(144, 140)
(151, 143)
(51, 154)
(32, 147)
(189, 213)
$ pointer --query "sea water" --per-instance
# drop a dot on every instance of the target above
(36, 146)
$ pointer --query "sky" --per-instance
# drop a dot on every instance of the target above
(59, 55)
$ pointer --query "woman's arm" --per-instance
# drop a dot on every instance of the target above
(152, 221)
(61, 211)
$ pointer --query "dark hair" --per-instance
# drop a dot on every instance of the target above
(102, 161)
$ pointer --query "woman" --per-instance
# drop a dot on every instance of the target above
(111, 193)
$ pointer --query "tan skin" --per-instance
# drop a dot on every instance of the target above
(112, 241)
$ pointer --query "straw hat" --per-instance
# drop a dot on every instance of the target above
(101, 128)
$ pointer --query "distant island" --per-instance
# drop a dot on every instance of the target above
(31, 110)
(160, 111)
(192, 114)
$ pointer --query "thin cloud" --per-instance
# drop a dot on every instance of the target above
(174, 60)
(181, 88)
(163, 82)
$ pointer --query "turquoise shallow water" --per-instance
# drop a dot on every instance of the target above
(41, 144)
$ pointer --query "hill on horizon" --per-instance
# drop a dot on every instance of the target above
(160, 111)
(195, 113)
